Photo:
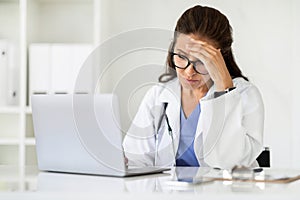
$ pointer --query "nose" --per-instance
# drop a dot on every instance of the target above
(190, 70)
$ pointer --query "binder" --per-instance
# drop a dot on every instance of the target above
(78, 65)
(67, 61)
(60, 68)
(3, 72)
(9, 74)
(54, 67)
(13, 76)
(39, 68)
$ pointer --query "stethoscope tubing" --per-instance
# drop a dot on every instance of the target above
(164, 115)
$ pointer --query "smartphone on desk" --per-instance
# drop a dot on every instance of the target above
(189, 181)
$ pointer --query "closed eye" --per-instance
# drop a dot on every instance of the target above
(199, 62)
(182, 56)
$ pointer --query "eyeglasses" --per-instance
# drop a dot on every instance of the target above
(182, 62)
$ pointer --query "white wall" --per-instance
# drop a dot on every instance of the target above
(9, 21)
(54, 20)
(295, 84)
(266, 46)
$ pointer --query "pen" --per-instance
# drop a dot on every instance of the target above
(256, 170)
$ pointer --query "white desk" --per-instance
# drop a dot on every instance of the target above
(37, 185)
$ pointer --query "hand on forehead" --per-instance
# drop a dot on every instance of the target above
(185, 42)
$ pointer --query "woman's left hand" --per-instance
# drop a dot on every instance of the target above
(213, 61)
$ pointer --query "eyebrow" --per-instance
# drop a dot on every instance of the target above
(185, 54)
(182, 52)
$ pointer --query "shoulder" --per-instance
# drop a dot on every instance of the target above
(248, 90)
(159, 89)
(241, 83)
(244, 86)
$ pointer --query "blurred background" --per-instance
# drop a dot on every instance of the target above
(44, 43)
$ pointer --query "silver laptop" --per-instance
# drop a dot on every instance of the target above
(81, 134)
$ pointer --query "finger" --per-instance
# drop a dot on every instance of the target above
(204, 55)
(203, 51)
(209, 55)
(203, 44)
(209, 61)
(200, 55)
(203, 48)
(199, 47)
(197, 41)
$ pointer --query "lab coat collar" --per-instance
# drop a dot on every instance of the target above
(173, 89)
(171, 94)
(170, 90)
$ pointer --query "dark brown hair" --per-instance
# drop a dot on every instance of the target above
(208, 23)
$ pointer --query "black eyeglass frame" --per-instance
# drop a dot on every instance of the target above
(188, 64)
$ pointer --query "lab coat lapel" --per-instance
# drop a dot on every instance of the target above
(171, 94)
(200, 122)
(200, 137)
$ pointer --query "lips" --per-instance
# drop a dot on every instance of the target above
(191, 80)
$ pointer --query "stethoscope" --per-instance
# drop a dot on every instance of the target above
(164, 115)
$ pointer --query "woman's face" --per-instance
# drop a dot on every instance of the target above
(189, 78)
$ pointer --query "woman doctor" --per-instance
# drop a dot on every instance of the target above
(204, 112)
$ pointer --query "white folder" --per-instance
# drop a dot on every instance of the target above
(54, 67)
(39, 68)
(79, 55)
(60, 68)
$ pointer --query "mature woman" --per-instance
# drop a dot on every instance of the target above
(204, 112)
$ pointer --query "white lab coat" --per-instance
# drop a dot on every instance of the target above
(229, 130)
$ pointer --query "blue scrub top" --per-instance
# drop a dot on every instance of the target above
(186, 154)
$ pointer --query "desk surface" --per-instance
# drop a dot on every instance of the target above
(35, 184)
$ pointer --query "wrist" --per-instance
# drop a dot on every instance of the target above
(220, 93)
(222, 86)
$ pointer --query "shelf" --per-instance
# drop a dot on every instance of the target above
(22, 23)
(9, 152)
(63, 1)
(31, 156)
(10, 109)
(9, 141)
(28, 110)
(7, 173)
(14, 110)
(30, 141)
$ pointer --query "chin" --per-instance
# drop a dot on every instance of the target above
(197, 85)
(191, 86)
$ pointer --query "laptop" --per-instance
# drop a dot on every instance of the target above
(81, 133)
